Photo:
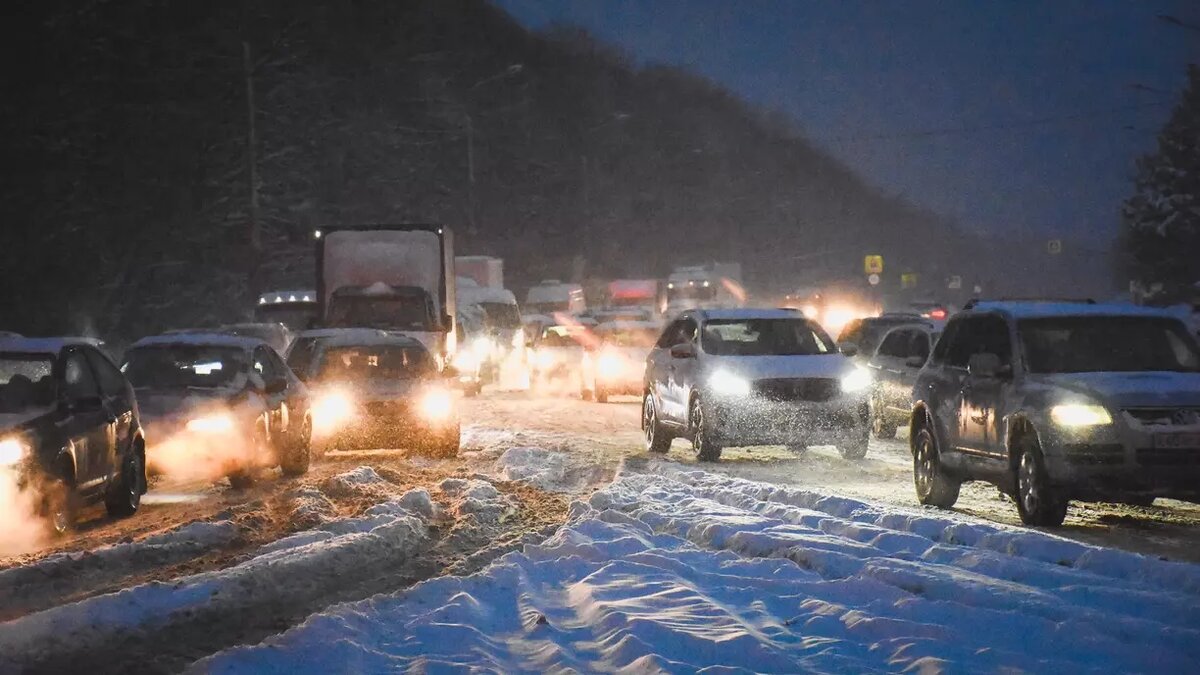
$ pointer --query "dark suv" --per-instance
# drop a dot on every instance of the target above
(1059, 401)
(69, 427)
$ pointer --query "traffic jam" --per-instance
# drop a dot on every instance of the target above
(405, 358)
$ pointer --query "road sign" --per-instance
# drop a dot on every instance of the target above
(873, 264)
(908, 280)
(873, 279)
(954, 282)
(1054, 246)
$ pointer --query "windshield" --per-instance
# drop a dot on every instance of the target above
(26, 382)
(692, 292)
(294, 316)
(1107, 344)
(639, 337)
(764, 337)
(406, 312)
(184, 366)
(374, 363)
(501, 315)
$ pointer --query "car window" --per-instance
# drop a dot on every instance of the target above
(112, 383)
(919, 345)
(680, 331)
(978, 335)
(896, 344)
(265, 365)
(300, 356)
(78, 381)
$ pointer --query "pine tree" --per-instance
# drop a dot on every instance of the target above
(1162, 218)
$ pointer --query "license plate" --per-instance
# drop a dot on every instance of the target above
(1177, 440)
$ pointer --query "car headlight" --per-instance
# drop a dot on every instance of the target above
(609, 365)
(218, 423)
(436, 405)
(12, 451)
(331, 410)
(483, 347)
(856, 381)
(726, 383)
(1080, 415)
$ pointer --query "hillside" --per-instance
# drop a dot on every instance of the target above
(551, 151)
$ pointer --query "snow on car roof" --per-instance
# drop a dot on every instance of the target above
(1030, 309)
(200, 339)
(44, 345)
(750, 313)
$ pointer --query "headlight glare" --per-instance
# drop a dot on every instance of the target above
(857, 381)
(1080, 415)
(726, 383)
(436, 405)
(331, 410)
(217, 423)
(609, 365)
(12, 451)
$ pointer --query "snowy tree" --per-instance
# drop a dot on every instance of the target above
(1162, 218)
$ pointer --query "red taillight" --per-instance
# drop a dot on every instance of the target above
(938, 314)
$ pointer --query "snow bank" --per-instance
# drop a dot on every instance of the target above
(542, 468)
(708, 571)
(479, 500)
(356, 482)
(292, 570)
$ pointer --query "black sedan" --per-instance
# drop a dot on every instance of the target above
(69, 428)
(219, 405)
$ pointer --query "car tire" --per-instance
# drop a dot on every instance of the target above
(585, 394)
(58, 506)
(658, 439)
(1038, 502)
(881, 426)
(601, 395)
(125, 494)
(707, 449)
(296, 455)
(857, 448)
(935, 487)
(241, 479)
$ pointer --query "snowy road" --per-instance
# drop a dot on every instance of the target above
(155, 591)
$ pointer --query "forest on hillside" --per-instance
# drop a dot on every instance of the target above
(131, 122)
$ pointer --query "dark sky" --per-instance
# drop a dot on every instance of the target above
(1036, 122)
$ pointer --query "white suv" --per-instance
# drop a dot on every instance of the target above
(741, 377)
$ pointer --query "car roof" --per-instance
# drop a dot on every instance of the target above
(335, 332)
(360, 338)
(1031, 309)
(201, 339)
(747, 313)
(42, 345)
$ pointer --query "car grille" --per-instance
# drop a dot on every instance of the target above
(1095, 454)
(1165, 416)
(798, 389)
(386, 408)
(1168, 456)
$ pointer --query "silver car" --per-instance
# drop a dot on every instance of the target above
(741, 377)
(1059, 401)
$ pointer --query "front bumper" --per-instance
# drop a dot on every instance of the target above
(1124, 458)
(754, 421)
(391, 421)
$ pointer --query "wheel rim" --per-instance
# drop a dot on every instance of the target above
(1027, 483)
(648, 421)
(59, 520)
(698, 420)
(924, 466)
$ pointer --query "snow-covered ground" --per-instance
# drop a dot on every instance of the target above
(698, 570)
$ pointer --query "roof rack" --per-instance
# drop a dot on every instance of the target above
(975, 301)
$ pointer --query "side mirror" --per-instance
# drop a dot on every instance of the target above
(915, 361)
(276, 385)
(848, 348)
(683, 350)
(983, 365)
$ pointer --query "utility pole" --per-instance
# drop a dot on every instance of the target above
(255, 257)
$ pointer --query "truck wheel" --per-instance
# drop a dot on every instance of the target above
(934, 486)
(125, 494)
(1038, 502)
(707, 449)
(658, 440)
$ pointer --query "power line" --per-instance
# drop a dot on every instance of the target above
(1024, 124)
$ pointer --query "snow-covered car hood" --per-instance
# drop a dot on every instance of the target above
(10, 421)
(1130, 390)
(157, 404)
(772, 367)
